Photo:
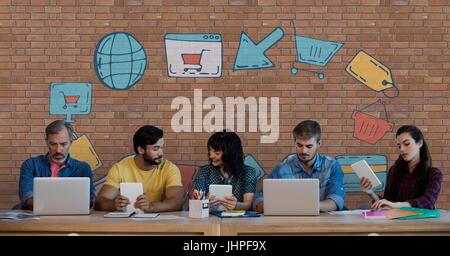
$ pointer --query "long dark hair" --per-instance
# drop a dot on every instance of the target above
(233, 153)
(400, 167)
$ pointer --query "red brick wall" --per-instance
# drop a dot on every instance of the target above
(44, 41)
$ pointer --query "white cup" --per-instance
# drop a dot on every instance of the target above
(199, 208)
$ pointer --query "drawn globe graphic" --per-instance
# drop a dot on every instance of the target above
(119, 60)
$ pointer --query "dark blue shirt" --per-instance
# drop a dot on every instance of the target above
(39, 166)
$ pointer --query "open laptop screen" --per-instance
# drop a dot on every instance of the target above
(291, 197)
(61, 195)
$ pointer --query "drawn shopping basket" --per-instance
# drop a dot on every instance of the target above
(193, 60)
(369, 128)
(70, 100)
(314, 52)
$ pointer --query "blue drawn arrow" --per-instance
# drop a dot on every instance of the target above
(251, 55)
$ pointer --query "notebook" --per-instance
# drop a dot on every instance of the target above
(239, 214)
(391, 214)
(399, 213)
(130, 214)
(374, 215)
(424, 213)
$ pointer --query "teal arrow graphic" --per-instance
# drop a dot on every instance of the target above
(251, 55)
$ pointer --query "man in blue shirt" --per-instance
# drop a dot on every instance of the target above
(56, 163)
(307, 163)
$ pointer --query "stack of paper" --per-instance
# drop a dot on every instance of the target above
(130, 214)
(348, 212)
(233, 213)
(401, 213)
(17, 215)
(146, 215)
(118, 214)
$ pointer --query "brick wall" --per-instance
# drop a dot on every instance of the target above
(44, 41)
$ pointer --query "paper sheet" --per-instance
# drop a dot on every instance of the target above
(349, 212)
(160, 217)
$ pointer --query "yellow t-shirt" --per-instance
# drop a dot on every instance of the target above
(154, 181)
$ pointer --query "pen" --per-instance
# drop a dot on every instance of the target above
(195, 194)
(202, 194)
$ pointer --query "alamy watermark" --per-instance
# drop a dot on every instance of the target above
(189, 118)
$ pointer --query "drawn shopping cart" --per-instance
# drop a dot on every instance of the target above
(314, 52)
(70, 100)
(193, 60)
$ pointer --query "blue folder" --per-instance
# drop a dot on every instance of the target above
(246, 215)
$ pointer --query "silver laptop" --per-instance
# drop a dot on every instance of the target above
(61, 196)
(291, 197)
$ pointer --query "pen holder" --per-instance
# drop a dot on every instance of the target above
(199, 208)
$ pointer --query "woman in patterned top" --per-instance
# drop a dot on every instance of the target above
(411, 181)
(226, 166)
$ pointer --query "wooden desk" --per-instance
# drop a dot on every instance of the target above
(327, 224)
(96, 224)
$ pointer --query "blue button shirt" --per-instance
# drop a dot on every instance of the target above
(39, 166)
(326, 169)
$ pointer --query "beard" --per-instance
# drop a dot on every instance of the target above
(308, 160)
(58, 158)
(152, 161)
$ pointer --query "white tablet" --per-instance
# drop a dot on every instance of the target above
(220, 192)
(131, 191)
(362, 169)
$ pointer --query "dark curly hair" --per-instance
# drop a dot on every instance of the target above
(146, 135)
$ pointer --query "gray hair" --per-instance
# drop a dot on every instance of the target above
(57, 126)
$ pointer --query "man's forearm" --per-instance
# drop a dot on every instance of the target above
(167, 205)
(29, 204)
(104, 204)
(260, 207)
(327, 205)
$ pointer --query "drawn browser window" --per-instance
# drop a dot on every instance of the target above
(194, 55)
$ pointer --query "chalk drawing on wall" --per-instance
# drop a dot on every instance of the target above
(373, 74)
(378, 163)
(314, 52)
(70, 99)
(253, 56)
(369, 128)
(194, 55)
(120, 61)
(251, 161)
(83, 150)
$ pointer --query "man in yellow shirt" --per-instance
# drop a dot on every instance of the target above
(160, 178)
